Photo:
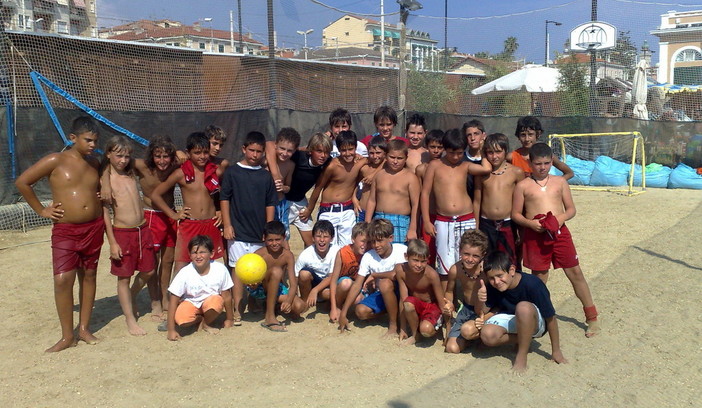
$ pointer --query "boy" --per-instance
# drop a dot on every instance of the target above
(446, 180)
(433, 141)
(314, 266)
(377, 151)
(377, 265)
(346, 269)
(420, 294)
(528, 132)
(308, 167)
(493, 197)
(395, 194)
(415, 132)
(474, 132)
(542, 204)
(339, 121)
(522, 310)
(131, 243)
(337, 184)
(466, 272)
(248, 200)
(286, 143)
(217, 138)
(385, 120)
(200, 291)
(198, 179)
(77, 234)
(280, 261)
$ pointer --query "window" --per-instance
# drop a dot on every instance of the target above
(62, 27)
(688, 55)
(220, 47)
(23, 21)
(202, 45)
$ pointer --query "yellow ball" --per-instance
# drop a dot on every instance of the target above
(251, 268)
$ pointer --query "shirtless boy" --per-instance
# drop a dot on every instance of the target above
(420, 294)
(346, 269)
(385, 120)
(377, 150)
(493, 197)
(542, 204)
(337, 186)
(445, 179)
(198, 215)
(131, 242)
(415, 132)
(521, 308)
(466, 272)
(435, 148)
(77, 235)
(281, 264)
(339, 121)
(528, 132)
(217, 138)
(286, 143)
(395, 194)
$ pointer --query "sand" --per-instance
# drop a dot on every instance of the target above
(638, 253)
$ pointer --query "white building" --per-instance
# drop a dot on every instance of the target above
(73, 17)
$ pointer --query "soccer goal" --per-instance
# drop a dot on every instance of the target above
(613, 161)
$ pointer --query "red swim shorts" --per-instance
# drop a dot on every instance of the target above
(426, 311)
(76, 246)
(431, 241)
(188, 229)
(163, 228)
(137, 247)
(539, 250)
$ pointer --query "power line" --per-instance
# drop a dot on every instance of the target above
(521, 13)
(319, 3)
(650, 3)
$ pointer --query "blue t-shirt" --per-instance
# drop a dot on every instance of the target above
(530, 288)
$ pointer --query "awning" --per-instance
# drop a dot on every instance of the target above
(389, 34)
(394, 34)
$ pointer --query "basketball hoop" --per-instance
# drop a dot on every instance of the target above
(592, 36)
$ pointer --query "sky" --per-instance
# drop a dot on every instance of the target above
(473, 25)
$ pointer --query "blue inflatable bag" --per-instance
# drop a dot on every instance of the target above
(684, 176)
(656, 175)
(582, 170)
(609, 172)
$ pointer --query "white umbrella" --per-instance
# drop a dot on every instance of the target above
(639, 91)
(530, 78)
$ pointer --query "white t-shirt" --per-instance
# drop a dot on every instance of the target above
(190, 286)
(361, 150)
(372, 262)
(309, 260)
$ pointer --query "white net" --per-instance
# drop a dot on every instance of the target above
(603, 161)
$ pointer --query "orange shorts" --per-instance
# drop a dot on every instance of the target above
(163, 228)
(188, 312)
(188, 229)
(77, 246)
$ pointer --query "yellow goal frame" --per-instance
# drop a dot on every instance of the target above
(638, 142)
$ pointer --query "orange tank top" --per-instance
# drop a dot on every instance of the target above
(349, 262)
(519, 161)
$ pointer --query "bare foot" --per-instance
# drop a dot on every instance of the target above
(62, 345)
(87, 337)
(157, 312)
(408, 341)
(207, 329)
(518, 368)
(157, 317)
(593, 328)
(135, 329)
(390, 334)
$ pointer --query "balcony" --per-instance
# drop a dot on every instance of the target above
(44, 6)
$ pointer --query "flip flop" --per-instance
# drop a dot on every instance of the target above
(274, 327)
(236, 321)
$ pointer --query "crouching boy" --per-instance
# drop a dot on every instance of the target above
(522, 307)
(200, 291)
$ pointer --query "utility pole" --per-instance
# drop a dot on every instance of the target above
(593, 66)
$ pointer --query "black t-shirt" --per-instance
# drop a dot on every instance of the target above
(249, 191)
(470, 182)
(304, 176)
(530, 288)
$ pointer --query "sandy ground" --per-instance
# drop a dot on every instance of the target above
(638, 254)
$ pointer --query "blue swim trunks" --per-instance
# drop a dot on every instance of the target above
(259, 293)
(399, 222)
(282, 209)
(361, 217)
(375, 302)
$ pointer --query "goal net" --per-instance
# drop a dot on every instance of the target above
(603, 161)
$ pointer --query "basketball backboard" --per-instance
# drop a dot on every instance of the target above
(593, 35)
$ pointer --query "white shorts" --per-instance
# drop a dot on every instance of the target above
(448, 240)
(294, 216)
(509, 323)
(237, 249)
(343, 222)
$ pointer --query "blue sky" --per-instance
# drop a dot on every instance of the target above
(472, 26)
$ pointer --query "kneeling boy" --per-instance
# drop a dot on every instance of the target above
(346, 269)
(200, 291)
(522, 307)
(420, 294)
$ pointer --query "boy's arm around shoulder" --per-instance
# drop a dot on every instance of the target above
(25, 182)
(482, 169)
(157, 196)
(272, 162)
(567, 171)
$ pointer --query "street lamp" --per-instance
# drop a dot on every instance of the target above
(35, 22)
(405, 7)
(547, 40)
(209, 20)
(304, 33)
